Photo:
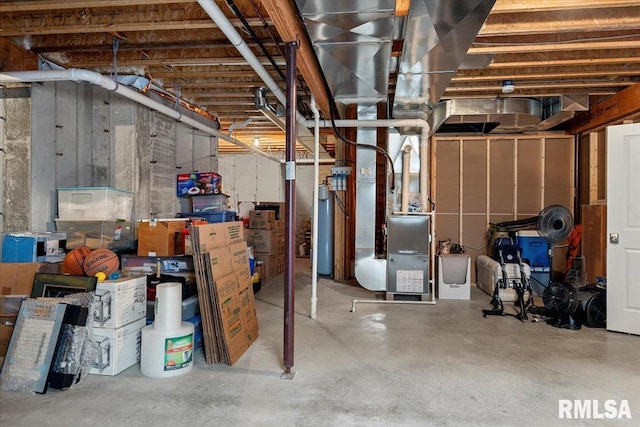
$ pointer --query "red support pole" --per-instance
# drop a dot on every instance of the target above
(290, 208)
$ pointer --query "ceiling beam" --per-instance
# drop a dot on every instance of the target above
(622, 104)
(28, 6)
(514, 6)
(545, 74)
(553, 47)
(561, 22)
(12, 27)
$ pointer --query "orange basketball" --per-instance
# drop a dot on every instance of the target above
(104, 260)
(74, 260)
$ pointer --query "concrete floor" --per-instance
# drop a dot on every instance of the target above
(384, 365)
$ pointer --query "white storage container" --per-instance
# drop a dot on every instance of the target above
(95, 203)
(454, 277)
(489, 272)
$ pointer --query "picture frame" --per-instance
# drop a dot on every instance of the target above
(61, 285)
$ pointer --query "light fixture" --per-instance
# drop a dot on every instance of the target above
(256, 141)
(507, 86)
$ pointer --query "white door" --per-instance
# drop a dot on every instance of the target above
(623, 228)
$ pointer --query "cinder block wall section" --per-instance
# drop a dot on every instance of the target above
(64, 134)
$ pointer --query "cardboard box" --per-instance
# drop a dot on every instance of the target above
(266, 241)
(211, 236)
(120, 302)
(6, 329)
(119, 348)
(262, 220)
(198, 183)
(162, 237)
(33, 246)
(278, 207)
(17, 278)
(239, 257)
(270, 265)
(236, 305)
(220, 261)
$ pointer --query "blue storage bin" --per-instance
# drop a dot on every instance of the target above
(534, 248)
(211, 217)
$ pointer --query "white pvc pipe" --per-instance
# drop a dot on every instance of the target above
(400, 123)
(378, 123)
(406, 176)
(79, 75)
(221, 20)
(316, 185)
(424, 169)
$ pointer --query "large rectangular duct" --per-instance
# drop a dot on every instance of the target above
(352, 40)
(437, 37)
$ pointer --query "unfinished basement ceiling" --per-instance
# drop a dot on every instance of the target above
(547, 48)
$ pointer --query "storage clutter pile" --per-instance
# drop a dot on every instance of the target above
(266, 237)
(104, 267)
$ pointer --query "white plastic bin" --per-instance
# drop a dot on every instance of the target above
(95, 203)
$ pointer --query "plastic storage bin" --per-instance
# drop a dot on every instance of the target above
(31, 246)
(97, 234)
(190, 307)
(206, 203)
(219, 216)
(95, 203)
(454, 277)
(534, 248)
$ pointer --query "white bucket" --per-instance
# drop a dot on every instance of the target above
(167, 344)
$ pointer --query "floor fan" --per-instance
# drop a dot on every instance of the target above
(560, 298)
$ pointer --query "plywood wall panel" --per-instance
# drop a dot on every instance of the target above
(474, 237)
(447, 182)
(474, 178)
(501, 175)
(558, 173)
(447, 227)
(529, 182)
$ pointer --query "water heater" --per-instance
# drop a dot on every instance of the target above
(325, 231)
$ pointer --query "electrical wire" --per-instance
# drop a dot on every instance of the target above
(333, 111)
(255, 37)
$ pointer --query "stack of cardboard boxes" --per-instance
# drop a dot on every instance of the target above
(266, 237)
(120, 313)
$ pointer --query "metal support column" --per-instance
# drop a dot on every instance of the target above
(290, 208)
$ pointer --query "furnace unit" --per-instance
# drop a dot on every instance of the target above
(408, 244)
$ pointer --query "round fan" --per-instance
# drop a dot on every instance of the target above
(561, 300)
(592, 311)
(554, 223)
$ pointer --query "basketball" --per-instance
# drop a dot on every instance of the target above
(74, 261)
(103, 260)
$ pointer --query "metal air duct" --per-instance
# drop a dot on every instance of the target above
(437, 37)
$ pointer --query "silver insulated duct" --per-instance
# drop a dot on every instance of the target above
(437, 37)
(353, 40)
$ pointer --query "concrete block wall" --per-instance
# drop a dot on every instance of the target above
(64, 134)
